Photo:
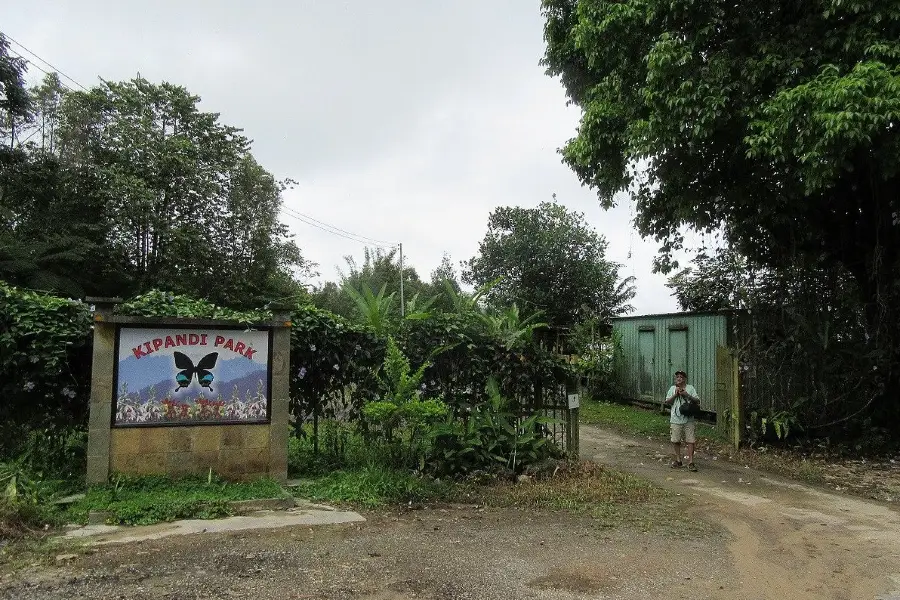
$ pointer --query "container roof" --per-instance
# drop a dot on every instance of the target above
(697, 313)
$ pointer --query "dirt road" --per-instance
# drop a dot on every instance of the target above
(766, 538)
(787, 540)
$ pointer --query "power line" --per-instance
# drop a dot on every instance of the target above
(364, 237)
(56, 69)
(39, 68)
(360, 239)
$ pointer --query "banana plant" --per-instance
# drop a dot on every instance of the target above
(417, 309)
(376, 311)
(465, 303)
(510, 328)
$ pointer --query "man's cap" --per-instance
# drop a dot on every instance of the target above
(681, 373)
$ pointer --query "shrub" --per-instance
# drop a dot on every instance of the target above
(333, 365)
(44, 365)
(403, 408)
(493, 438)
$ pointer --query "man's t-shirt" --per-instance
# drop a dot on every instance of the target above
(676, 416)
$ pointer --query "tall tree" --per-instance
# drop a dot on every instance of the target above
(445, 272)
(379, 269)
(801, 337)
(254, 246)
(128, 187)
(167, 165)
(46, 101)
(549, 259)
(15, 103)
(779, 121)
(443, 279)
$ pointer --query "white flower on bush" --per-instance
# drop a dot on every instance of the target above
(29, 385)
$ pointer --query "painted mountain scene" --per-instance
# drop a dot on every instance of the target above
(191, 375)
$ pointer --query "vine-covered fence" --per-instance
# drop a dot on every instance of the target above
(337, 367)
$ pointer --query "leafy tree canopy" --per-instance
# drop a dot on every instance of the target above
(15, 103)
(129, 187)
(548, 259)
(780, 119)
(379, 269)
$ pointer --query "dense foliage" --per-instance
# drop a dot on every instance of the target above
(333, 366)
(44, 356)
(776, 123)
(801, 337)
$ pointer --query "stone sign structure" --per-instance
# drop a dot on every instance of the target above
(183, 396)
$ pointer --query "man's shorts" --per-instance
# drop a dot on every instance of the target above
(687, 431)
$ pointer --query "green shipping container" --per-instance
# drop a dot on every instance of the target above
(655, 346)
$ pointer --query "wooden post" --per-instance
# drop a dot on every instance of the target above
(735, 399)
(572, 437)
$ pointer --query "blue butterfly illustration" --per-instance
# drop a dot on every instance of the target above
(204, 377)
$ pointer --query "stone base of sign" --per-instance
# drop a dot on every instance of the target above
(231, 451)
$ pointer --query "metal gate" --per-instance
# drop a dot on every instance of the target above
(728, 409)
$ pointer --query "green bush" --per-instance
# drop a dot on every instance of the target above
(403, 410)
(160, 303)
(333, 366)
(44, 365)
(493, 438)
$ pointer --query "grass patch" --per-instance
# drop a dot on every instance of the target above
(154, 499)
(19, 519)
(633, 420)
(25, 533)
(782, 461)
(624, 417)
(341, 447)
(611, 498)
(370, 486)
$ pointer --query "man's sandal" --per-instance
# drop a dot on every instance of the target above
(692, 467)
(676, 464)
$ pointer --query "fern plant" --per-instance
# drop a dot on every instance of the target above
(402, 406)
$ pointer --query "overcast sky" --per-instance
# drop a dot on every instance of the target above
(402, 120)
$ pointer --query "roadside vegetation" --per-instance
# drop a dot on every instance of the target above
(811, 461)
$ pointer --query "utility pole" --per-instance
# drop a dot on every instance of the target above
(402, 300)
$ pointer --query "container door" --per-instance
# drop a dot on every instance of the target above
(647, 363)
(678, 352)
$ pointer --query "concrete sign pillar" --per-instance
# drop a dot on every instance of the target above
(186, 396)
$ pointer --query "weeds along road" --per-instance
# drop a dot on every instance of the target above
(787, 540)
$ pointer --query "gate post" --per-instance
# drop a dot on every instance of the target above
(102, 378)
(736, 419)
(572, 437)
(279, 427)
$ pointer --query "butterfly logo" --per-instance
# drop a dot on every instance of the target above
(204, 377)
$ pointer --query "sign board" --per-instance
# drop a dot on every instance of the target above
(190, 376)
(574, 401)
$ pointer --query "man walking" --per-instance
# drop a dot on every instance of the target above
(682, 426)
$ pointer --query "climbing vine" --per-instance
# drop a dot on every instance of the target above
(44, 346)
